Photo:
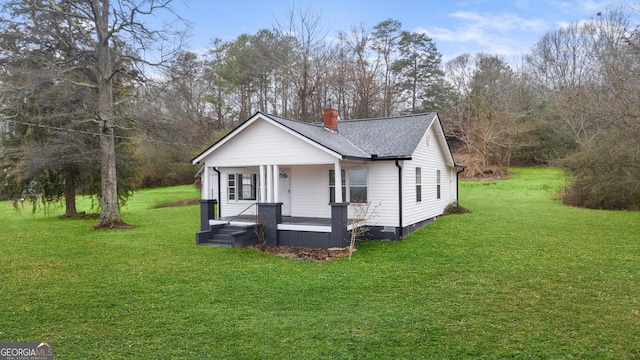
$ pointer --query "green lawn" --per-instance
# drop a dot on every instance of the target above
(522, 276)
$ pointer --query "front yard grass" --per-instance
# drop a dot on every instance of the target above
(522, 276)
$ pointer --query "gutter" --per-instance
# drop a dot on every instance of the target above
(375, 157)
(399, 200)
(219, 193)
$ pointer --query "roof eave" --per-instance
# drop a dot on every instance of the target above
(391, 157)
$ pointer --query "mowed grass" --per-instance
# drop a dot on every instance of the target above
(522, 276)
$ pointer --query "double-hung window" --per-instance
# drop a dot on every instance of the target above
(242, 186)
(418, 184)
(231, 187)
(437, 184)
(358, 185)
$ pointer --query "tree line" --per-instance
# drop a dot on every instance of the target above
(571, 101)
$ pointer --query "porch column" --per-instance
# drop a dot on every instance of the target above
(269, 184)
(204, 182)
(263, 185)
(276, 182)
(338, 180)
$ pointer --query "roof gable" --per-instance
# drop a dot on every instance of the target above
(379, 138)
(435, 135)
(240, 129)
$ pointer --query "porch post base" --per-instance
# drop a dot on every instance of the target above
(269, 216)
(207, 212)
(339, 234)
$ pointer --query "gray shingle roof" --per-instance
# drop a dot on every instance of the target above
(393, 137)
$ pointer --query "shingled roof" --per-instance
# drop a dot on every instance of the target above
(377, 138)
(392, 137)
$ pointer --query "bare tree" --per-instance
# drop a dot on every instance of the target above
(487, 116)
(114, 41)
(385, 42)
(362, 214)
(311, 62)
(361, 75)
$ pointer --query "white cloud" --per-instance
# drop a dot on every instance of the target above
(491, 33)
(501, 22)
(591, 7)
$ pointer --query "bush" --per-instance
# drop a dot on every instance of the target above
(455, 208)
(605, 175)
(545, 143)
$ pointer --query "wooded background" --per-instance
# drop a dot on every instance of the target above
(572, 101)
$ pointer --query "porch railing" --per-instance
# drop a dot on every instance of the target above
(240, 213)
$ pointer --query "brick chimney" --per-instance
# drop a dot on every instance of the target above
(330, 117)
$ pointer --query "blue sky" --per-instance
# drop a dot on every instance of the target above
(508, 27)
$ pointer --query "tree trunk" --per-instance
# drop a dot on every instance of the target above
(70, 209)
(109, 215)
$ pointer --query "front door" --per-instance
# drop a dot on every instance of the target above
(284, 191)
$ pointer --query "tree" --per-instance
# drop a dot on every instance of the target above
(42, 162)
(311, 62)
(385, 42)
(418, 69)
(590, 82)
(359, 76)
(488, 117)
(49, 151)
(107, 40)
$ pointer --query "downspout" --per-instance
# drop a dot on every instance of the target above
(219, 192)
(399, 199)
(462, 167)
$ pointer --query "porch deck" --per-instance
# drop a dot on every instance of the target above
(288, 222)
(238, 231)
(291, 220)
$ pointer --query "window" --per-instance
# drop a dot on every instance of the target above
(231, 187)
(242, 186)
(332, 185)
(249, 186)
(437, 184)
(418, 184)
(358, 185)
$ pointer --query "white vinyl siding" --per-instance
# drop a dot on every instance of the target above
(382, 193)
(309, 191)
(430, 159)
(263, 143)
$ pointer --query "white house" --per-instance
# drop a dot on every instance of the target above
(283, 174)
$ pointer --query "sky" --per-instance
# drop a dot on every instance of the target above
(503, 27)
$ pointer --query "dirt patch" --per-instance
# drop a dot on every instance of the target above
(491, 175)
(177, 203)
(114, 226)
(300, 253)
(80, 215)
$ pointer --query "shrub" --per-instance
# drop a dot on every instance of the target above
(605, 174)
(455, 208)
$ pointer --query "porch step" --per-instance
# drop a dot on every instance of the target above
(231, 236)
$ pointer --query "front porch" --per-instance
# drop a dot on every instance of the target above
(242, 230)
